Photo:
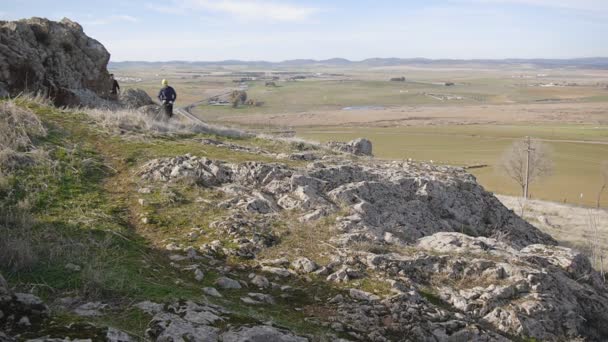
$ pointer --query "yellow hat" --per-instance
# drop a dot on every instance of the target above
(164, 82)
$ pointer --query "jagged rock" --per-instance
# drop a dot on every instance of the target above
(304, 265)
(394, 203)
(227, 283)
(135, 98)
(54, 58)
(262, 333)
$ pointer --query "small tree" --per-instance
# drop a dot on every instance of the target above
(604, 173)
(527, 160)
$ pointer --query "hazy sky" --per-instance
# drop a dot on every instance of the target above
(274, 30)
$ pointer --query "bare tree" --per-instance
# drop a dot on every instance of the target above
(525, 161)
(238, 97)
(604, 173)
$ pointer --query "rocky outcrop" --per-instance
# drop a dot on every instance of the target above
(461, 266)
(52, 58)
(392, 203)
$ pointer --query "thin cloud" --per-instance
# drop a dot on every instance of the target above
(244, 9)
(113, 19)
(177, 9)
(583, 5)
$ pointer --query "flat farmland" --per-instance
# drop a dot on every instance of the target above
(578, 152)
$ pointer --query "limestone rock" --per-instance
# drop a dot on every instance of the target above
(54, 58)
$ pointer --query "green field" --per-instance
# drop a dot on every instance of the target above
(315, 94)
(577, 163)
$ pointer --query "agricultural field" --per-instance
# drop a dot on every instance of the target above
(469, 123)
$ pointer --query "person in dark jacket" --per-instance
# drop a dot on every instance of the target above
(167, 97)
(115, 88)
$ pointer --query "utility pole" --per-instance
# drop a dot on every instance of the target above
(529, 149)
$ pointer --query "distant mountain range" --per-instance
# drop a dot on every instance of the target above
(580, 63)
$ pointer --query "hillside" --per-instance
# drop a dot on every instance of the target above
(166, 234)
(119, 225)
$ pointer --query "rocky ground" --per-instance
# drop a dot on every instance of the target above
(297, 242)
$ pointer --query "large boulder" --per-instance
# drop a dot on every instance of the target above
(52, 58)
(135, 98)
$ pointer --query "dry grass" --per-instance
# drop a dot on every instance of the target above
(136, 121)
(19, 127)
(581, 228)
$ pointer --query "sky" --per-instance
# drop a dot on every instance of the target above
(276, 30)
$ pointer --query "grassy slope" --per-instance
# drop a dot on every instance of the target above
(88, 214)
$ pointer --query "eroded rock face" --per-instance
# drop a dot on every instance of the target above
(53, 58)
(394, 203)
